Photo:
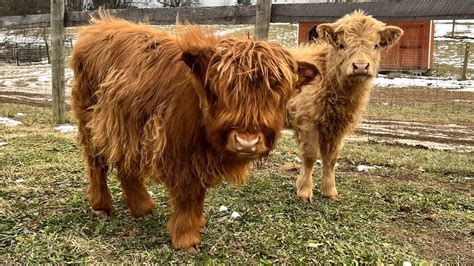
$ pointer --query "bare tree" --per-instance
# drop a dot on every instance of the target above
(175, 3)
(110, 3)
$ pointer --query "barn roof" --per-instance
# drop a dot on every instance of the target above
(384, 10)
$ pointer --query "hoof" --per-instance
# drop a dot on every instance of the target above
(143, 210)
(103, 213)
(330, 197)
(331, 194)
(203, 224)
(144, 214)
(306, 195)
(143, 217)
(194, 249)
(189, 242)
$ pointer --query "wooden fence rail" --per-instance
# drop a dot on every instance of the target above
(396, 10)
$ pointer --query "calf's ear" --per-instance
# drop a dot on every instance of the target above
(306, 73)
(326, 33)
(390, 35)
(198, 62)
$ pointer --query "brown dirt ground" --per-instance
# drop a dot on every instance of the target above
(434, 242)
(422, 97)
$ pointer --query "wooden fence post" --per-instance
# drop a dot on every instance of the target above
(46, 44)
(466, 59)
(262, 20)
(454, 25)
(57, 59)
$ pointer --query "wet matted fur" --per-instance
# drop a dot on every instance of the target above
(187, 111)
(328, 109)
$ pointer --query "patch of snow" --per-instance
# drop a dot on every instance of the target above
(469, 89)
(223, 209)
(423, 82)
(462, 28)
(19, 180)
(226, 32)
(3, 143)
(454, 40)
(234, 215)
(20, 114)
(406, 263)
(451, 52)
(288, 132)
(9, 122)
(314, 245)
(44, 77)
(458, 21)
(147, 4)
(151, 193)
(282, 23)
(66, 128)
(364, 168)
(454, 126)
(20, 39)
(7, 83)
(373, 121)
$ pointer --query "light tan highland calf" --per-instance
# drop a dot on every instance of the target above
(347, 54)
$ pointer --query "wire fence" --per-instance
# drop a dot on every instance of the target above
(432, 108)
(31, 7)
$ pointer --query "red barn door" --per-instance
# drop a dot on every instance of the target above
(411, 47)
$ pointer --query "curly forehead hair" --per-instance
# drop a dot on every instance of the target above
(241, 61)
(357, 25)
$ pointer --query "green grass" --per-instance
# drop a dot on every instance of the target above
(434, 115)
(425, 105)
(415, 206)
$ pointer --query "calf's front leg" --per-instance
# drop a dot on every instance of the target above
(137, 199)
(308, 142)
(329, 153)
(304, 183)
(187, 217)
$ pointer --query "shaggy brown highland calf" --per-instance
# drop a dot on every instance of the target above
(326, 110)
(187, 111)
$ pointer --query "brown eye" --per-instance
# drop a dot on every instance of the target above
(273, 82)
(377, 46)
(341, 46)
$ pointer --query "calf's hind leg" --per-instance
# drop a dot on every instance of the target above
(96, 165)
(136, 196)
(99, 193)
